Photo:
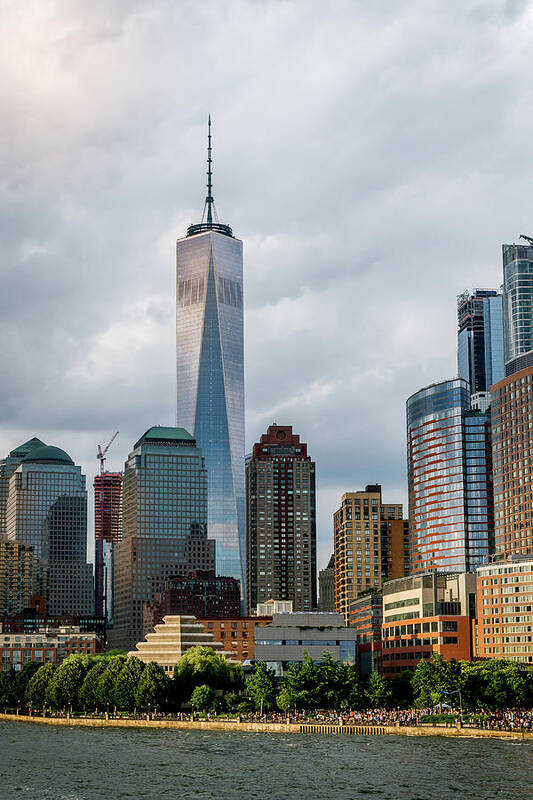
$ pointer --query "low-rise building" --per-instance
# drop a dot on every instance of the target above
(237, 635)
(170, 640)
(505, 610)
(270, 607)
(366, 617)
(30, 621)
(426, 614)
(289, 636)
(51, 645)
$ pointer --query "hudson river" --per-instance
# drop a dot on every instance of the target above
(38, 762)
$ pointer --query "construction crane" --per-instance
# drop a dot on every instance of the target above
(527, 239)
(100, 455)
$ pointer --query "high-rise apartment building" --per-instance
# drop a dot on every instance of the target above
(449, 468)
(518, 306)
(326, 587)
(281, 520)
(164, 529)
(480, 338)
(210, 372)
(363, 544)
(512, 448)
(47, 509)
(21, 576)
(107, 532)
(504, 606)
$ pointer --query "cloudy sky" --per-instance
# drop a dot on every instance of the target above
(372, 156)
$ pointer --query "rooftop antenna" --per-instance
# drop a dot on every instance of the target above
(209, 217)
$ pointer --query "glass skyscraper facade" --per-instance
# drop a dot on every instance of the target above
(47, 509)
(164, 525)
(480, 338)
(451, 511)
(210, 375)
(517, 307)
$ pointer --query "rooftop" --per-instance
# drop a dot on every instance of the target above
(47, 454)
(161, 433)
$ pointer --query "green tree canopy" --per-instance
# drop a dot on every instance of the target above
(262, 686)
(88, 692)
(66, 682)
(153, 687)
(126, 683)
(106, 682)
(35, 695)
(378, 691)
(203, 665)
(202, 698)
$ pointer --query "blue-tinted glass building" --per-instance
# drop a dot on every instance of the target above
(451, 510)
(164, 527)
(480, 338)
(518, 306)
(210, 373)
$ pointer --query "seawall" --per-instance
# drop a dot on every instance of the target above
(272, 727)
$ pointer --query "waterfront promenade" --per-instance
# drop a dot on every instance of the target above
(328, 728)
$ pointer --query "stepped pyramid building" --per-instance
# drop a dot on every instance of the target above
(169, 641)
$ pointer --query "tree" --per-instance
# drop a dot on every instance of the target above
(8, 692)
(402, 690)
(23, 678)
(126, 683)
(88, 692)
(106, 682)
(64, 687)
(202, 698)
(378, 691)
(262, 686)
(153, 687)
(202, 665)
(35, 695)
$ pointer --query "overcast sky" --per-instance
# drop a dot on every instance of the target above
(373, 156)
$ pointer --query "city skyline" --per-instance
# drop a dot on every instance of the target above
(91, 227)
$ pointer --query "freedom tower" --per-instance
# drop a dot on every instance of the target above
(210, 371)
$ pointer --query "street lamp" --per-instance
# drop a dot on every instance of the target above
(458, 691)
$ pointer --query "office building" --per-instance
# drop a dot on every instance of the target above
(290, 636)
(33, 620)
(166, 644)
(210, 372)
(326, 587)
(51, 646)
(8, 466)
(425, 614)
(505, 610)
(512, 449)
(164, 529)
(271, 607)
(480, 338)
(281, 520)
(107, 532)
(449, 470)
(363, 544)
(366, 618)
(199, 594)
(47, 510)
(21, 576)
(518, 306)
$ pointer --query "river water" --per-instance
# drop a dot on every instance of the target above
(38, 762)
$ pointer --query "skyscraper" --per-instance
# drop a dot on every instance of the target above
(107, 532)
(164, 525)
(8, 466)
(47, 509)
(518, 306)
(281, 521)
(449, 470)
(480, 338)
(364, 544)
(210, 371)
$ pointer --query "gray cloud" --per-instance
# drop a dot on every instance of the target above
(372, 156)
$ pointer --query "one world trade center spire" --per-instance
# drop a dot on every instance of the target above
(210, 371)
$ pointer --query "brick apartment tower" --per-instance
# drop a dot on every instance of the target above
(371, 543)
(281, 521)
(107, 532)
